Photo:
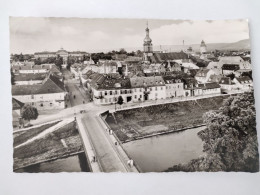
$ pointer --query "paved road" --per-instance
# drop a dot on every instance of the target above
(107, 156)
(77, 95)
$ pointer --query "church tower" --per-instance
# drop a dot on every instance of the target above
(148, 46)
(203, 47)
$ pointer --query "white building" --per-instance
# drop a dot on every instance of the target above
(174, 87)
(203, 75)
(203, 47)
(46, 96)
(153, 88)
(210, 88)
(244, 83)
(106, 89)
(29, 79)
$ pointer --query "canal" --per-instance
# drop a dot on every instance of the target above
(158, 153)
(75, 163)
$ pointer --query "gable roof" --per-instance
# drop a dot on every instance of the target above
(202, 73)
(243, 80)
(110, 81)
(213, 85)
(215, 78)
(230, 60)
(189, 65)
(147, 81)
(16, 104)
(225, 81)
(51, 84)
(230, 67)
(28, 77)
(160, 57)
(213, 65)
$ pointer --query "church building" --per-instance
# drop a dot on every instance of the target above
(148, 46)
(203, 47)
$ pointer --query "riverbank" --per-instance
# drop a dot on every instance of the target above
(139, 123)
(60, 143)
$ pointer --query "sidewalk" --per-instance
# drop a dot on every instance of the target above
(88, 146)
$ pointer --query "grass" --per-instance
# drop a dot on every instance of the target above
(49, 147)
(138, 122)
(22, 136)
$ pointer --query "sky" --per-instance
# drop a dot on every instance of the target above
(31, 34)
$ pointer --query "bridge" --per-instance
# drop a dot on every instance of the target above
(101, 151)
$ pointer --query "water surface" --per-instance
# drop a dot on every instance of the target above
(76, 163)
(158, 153)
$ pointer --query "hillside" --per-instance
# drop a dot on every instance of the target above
(239, 45)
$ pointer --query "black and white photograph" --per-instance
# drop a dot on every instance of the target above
(132, 95)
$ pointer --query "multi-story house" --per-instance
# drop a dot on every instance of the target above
(203, 75)
(210, 88)
(48, 95)
(244, 83)
(174, 87)
(106, 89)
(29, 79)
(148, 88)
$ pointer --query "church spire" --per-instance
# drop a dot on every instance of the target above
(148, 46)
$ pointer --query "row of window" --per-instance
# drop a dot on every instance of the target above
(173, 87)
(128, 91)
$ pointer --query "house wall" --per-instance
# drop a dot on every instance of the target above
(111, 96)
(31, 82)
(33, 71)
(174, 90)
(211, 91)
(44, 101)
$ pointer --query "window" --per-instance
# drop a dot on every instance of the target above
(105, 92)
(110, 92)
(140, 90)
(135, 96)
(140, 96)
(125, 91)
(151, 89)
(155, 88)
(41, 104)
(50, 104)
(161, 88)
(156, 94)
(32, 96)
(115, 92)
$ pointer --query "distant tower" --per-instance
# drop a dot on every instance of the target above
(203, 47)
(148, 46)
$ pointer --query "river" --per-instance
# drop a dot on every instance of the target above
(158, 153)
(75, 163)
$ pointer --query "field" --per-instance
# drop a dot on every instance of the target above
(59, 143)
(23, 136)
(135, 123)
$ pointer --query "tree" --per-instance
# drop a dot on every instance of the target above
(21, 57)
(70, 62)
(139, 53)
(37, 61)
(29, 112)
(120, 100)
(59, 61)
(230, 139)
(122, 51)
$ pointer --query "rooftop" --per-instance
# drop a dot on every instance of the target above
(51, 84)
(147, 81)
